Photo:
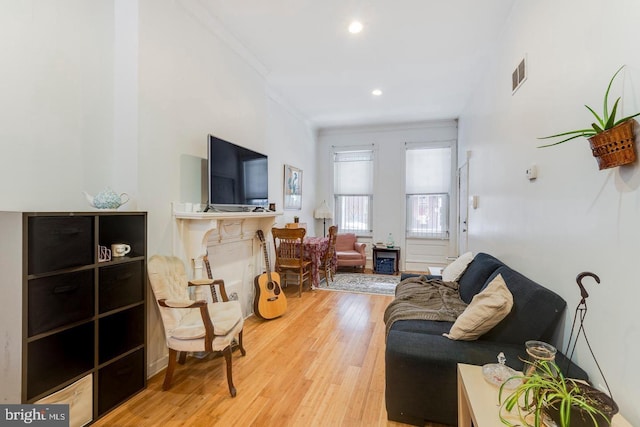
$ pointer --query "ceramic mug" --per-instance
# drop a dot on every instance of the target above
(120, 249)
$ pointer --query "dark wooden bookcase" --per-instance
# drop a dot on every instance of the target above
(80, 316)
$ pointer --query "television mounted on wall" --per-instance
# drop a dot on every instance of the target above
(237, 176)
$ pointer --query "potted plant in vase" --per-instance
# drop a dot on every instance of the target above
(612, 141)
(546, 392)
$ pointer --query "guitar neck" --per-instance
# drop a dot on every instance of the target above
(267, 264)
(263, 242)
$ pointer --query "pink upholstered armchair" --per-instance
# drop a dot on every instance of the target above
(349, 252)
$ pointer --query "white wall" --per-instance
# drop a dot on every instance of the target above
(289, 142)
(573, 218)
(192, 84)
(123, 94)
(389, 178)
(57, 103)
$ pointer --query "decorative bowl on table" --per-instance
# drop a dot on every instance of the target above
(497, 374)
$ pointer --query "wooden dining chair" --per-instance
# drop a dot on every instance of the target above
(327, 268)
(289, 248)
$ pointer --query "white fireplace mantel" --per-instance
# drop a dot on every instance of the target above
(193, 231)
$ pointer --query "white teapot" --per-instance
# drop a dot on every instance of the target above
(107, 199)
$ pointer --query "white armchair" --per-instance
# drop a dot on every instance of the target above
(193, 326)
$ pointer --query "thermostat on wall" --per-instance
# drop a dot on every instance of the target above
(532, 172)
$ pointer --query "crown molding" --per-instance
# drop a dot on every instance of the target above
(198, 10)
(200, 13)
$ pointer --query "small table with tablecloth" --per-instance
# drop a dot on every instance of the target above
(314, 250)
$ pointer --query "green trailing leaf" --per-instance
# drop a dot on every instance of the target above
(585, 134)
(602, 124)
(598, 118)
(612, 119)
(624, 119)
(606, 95)
(579, 132)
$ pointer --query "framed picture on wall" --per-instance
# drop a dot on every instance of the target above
(292, 188)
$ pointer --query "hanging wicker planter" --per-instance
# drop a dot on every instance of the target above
(614, 147)
(612, 141)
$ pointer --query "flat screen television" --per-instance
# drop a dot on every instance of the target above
(237, 176)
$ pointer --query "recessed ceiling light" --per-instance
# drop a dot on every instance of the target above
(355, 27)
(376, 92)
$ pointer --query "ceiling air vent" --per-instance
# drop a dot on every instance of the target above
(518, 76)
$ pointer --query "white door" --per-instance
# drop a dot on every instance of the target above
(463, 207)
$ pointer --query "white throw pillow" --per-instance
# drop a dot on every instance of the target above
(486, 310)
(453, 271)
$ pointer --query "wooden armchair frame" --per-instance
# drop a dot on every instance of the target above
(210, 332)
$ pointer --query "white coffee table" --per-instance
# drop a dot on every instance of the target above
(478, 400)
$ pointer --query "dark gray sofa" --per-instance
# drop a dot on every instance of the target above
(420, 363)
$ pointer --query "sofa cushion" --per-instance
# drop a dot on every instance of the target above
(422, 326)
(486, 310)
(476, 275)
(349, 255)
(453, 271)
(535, 311)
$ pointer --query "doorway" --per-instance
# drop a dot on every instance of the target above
(463, 207)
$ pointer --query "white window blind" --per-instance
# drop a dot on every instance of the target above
(428, 170)
(428, 186)
(353, 172)
(353, 190)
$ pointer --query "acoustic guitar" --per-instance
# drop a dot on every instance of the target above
(269, 301)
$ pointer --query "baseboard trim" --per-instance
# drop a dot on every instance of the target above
(154, 367)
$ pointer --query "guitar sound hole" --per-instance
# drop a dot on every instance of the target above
(271, 286)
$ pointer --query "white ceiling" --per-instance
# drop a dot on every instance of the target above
(422, 54)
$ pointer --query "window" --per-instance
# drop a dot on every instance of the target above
(353, 190)
(428, 186)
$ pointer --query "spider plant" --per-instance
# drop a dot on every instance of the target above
(602, 123)
(546, 390)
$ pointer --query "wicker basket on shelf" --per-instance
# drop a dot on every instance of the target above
(614, 147)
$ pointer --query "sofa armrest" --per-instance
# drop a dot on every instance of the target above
(359, 247)
(421, 373)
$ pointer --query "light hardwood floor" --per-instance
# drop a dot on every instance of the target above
(320, 364)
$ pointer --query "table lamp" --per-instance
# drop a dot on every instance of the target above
(323, 213)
